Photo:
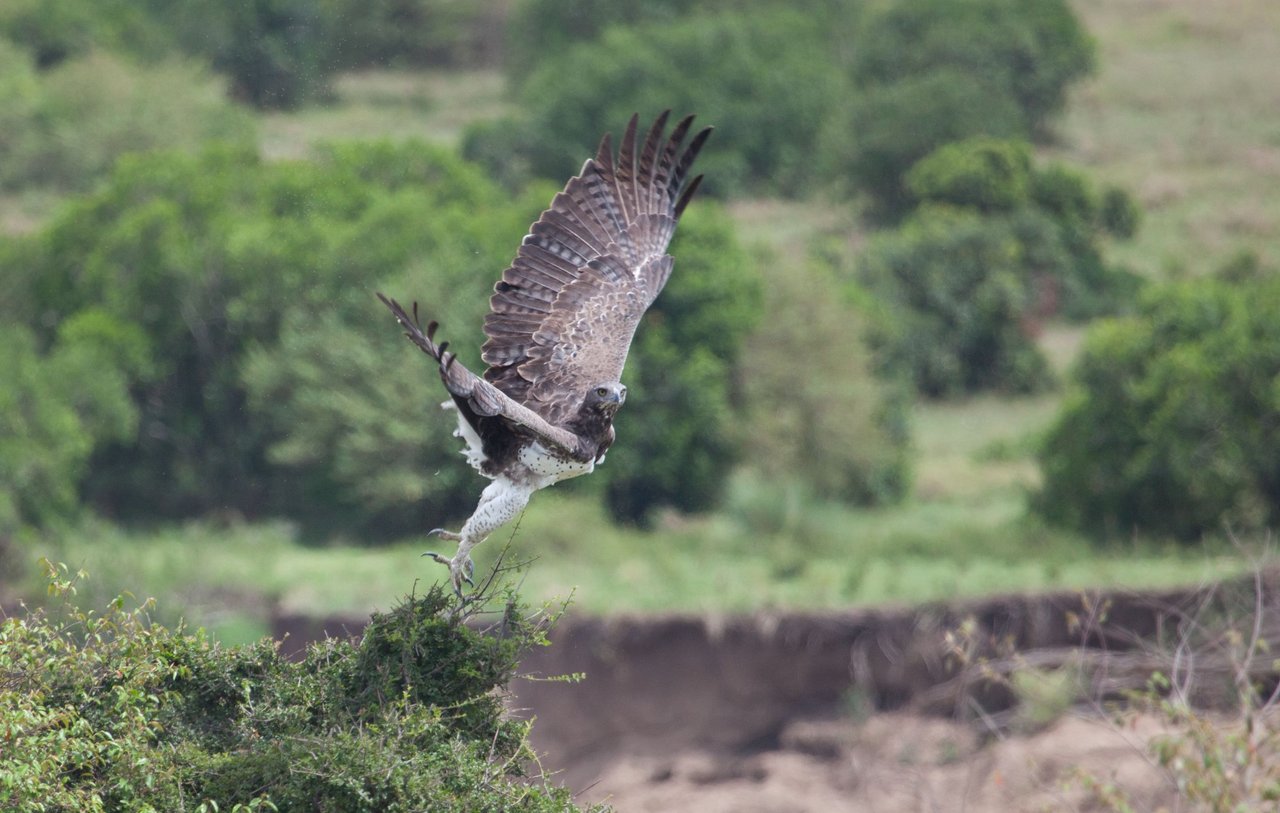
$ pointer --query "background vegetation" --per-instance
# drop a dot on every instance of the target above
(980, 298)
(858, 365)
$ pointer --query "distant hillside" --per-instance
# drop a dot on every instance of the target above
(1184, 110)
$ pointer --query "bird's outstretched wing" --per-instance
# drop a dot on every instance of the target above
(478, 399)
(563, 315)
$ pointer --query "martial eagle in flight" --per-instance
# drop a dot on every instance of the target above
(559, 325)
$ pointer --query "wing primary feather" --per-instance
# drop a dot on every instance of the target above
(477, 397)
(690, 153)
(649, 159)
(688, 194)
(625, 172)
(570, 223)
(662, 179)
(566, 307)
(604, 155)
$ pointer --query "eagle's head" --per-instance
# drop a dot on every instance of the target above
(606, 398)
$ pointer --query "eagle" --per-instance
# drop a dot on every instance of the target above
(560, 323)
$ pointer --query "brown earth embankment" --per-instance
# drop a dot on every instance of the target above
(738, 691)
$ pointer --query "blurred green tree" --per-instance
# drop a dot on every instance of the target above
(765, 80)
(414, 33)
(1056, 213)
(932, 71)
(1173, 422)
(1026, 50)
(538, 28)
(892, 126)
(983, 173)
(53, 31)
(962, 307)
(64, 127)
(955, 294)
(817, 413)
(57, 406)
(276, 52)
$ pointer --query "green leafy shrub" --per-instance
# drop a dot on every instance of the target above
(107, 711)
(1055, 212)
(956, 293)
(1173, 423)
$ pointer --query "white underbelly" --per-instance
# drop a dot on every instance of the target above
(546, 468)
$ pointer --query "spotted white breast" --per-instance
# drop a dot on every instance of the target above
(538, 467)
(546, 468)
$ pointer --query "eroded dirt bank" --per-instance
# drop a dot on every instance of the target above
(885, 710)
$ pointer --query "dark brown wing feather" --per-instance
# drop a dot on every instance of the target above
(502, 423)
(562, 318)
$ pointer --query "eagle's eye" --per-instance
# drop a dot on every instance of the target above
(602, 391)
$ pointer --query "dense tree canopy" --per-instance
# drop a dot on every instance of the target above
(993, 246)
(275, 381)
(932, 71)
(955, 295)
(764, 79)
(57, 407)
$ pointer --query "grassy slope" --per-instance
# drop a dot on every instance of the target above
(433, 105)
(1184, 111)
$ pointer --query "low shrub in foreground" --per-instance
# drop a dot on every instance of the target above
(105, 712)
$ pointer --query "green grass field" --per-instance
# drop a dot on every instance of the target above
(432, 105)
(1185, 111)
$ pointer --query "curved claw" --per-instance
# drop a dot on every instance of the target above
(459, 570)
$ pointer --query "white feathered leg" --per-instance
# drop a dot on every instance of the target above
(500, 502)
